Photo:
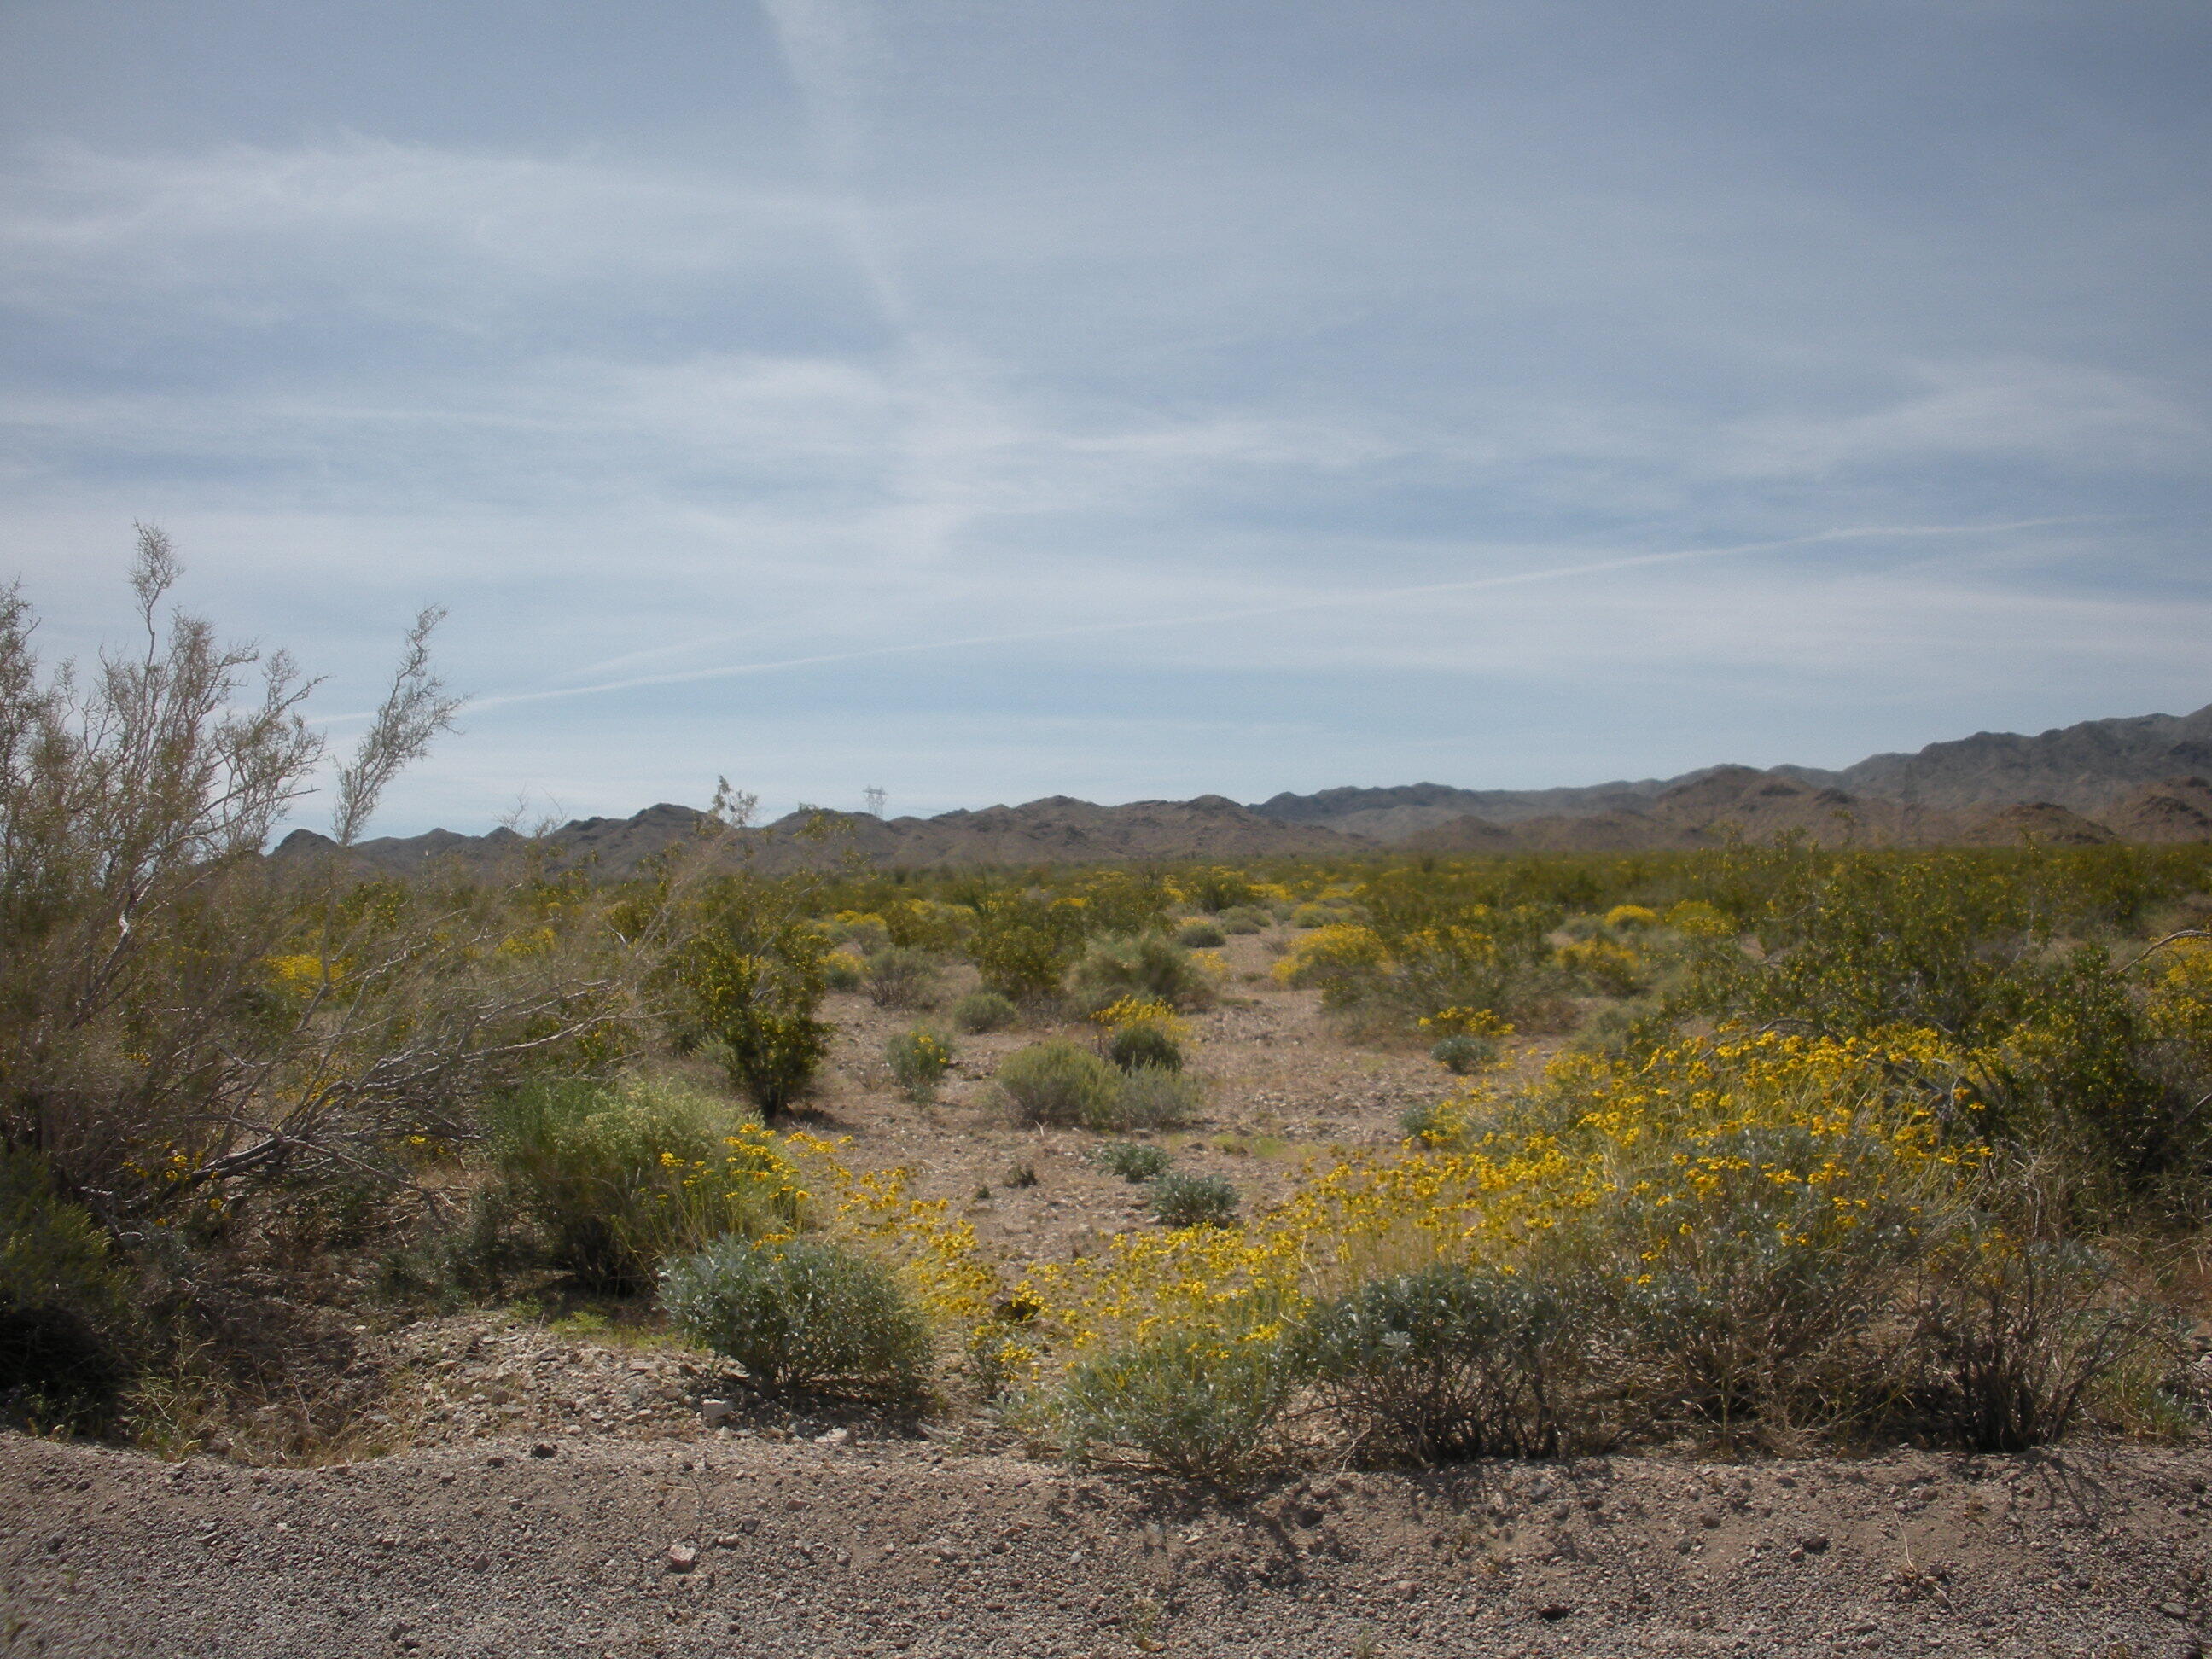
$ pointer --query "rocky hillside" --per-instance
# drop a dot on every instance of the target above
(2141, 780)
(2103, 770)
(1055, 830)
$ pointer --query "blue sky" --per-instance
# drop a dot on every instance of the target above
(985, 400)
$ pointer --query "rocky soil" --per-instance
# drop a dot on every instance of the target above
(715, 1543)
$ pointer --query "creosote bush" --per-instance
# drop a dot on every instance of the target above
(1201, 935)
(616, 1177)
(1145, 965)
(802, 1315)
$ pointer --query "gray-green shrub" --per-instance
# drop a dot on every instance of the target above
(1146, 1044)
(1150, 1097)
(1132, 1160)
(1202, 935)
(1181, 1200)
(802, 1314)
(980, 1012)
(919, 1060)
(1447, 1364)
(1196, 1404)
(1056, 1082)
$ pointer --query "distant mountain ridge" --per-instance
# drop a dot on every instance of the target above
(2142, 779)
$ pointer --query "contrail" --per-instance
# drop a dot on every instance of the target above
(1516, 578)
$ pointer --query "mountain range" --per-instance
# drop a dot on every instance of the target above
(2140, 779)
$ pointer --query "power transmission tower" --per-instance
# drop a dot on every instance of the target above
(875, 798)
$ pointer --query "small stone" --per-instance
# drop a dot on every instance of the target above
(2173, 1609)
(1817, 1543)
(715, 1413)
(1555, 1612)
(544, 1449)
(682, 1558)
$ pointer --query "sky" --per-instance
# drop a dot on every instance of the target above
(988, 399)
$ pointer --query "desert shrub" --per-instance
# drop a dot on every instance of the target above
(1145, 1043)
(984, 1010)
(1632, 917)
(1461, 1054)
(1610, 969)
(919, 1060)
(1202, 1405)
(1150, 1097)
(1146, 965)
(1022, 948)
(63, 1311)
(901, 977)
(191, 1029)
(802, 1314)
(2013, 1336)
(1316, 915)
(861, 932)
(842, 970)
(1201, 935)
(1448, 1363)
(745, 985)
(616, 1177)
(1243, 919)
(1132, 1160)
(1057, 1082)
(1179, 1199)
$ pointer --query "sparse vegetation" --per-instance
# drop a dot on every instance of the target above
(1848, 1144)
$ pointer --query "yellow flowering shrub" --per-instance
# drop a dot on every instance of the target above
(1631, 917)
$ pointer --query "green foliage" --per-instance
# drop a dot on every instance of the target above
(919, 1060)
(1199, 1405)
(802, 1315)
(1056, 1082)
(980, 1012)
(1132, 1160)
(1448, 1363)
(1213, 888)
(1021, 947)
(1180, 1199)
(747, 983)
(1147, 965)
(606, 1176)
(1144, 1043)
(64, 1312)
(1200, 936)
(1243, 919)
(902, 977)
